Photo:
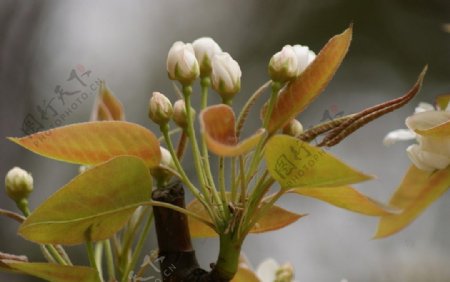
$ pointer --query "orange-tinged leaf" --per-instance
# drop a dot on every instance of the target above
(107, 106)
(347, 198)
(275, 218)
(55, 272)
(309, 84)
(418, 190)
(93, 206)
(94, 142)
(294, 164)
(218, 128)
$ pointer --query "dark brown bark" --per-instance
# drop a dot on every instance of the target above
(176, 255)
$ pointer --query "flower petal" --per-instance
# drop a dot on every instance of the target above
(426, 160)
(267, 269)
(426, 120)
(398, 135)
(424, 107)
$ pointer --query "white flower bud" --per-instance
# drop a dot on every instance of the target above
(226, 76)
(304, 57)
(293, 128)
(180, 115)
(166, 158)
(160, 109)
(283, 65)
(182, 64)
(285, 273)
(205, 48)
(18, 183)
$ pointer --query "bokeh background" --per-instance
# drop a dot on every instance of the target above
(126, 43)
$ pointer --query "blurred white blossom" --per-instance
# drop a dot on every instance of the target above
(431, 152)
(304, 57)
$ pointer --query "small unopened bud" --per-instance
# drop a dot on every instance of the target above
(226, 76)
(283, 65)
(205, 48)
(161, 174)
(182, 64)
(293, 128)
(304, 57)
(285, 273)
(180, 114)
(160, 109)
(19, 184)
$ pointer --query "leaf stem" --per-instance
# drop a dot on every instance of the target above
(109, 260)
(139, 246)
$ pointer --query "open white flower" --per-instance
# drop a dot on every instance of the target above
(270, 271)
(431, 152)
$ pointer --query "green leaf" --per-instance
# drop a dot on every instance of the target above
(418, 190)
(308, 85)
(93, 206)
(55, 272)
(347, 198)
(295, 164)
(94, 142)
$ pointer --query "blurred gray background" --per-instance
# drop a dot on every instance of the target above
(126, 43)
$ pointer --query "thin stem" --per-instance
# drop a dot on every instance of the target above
(181, 210)
(233, 180)
(91, 256)
(109, 260)
(223, 192)
(181, 147)
(55, 255)
(138, 249)
(263, 210)
(17, 217)
(165, 130)
(187, 90)
(257, 156)
(98, 254)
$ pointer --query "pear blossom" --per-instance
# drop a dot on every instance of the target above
(182, 64)
(431, 152)
(283, 65)
(18, 184)
(304, 57)
(160, 109)
(225, 76)
(180, 113)
(270, 271)
(205, 48)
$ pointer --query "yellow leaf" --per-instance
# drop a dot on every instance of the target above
(245, 274)
(94, 142)
(218, 128)
(442, 101)
(308, 85)
(275, 218)
(93, 206)
(294, 164)
(418, 190)
(56, 272)
(347, 198)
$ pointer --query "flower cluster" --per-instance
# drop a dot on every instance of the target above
(204, 58)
